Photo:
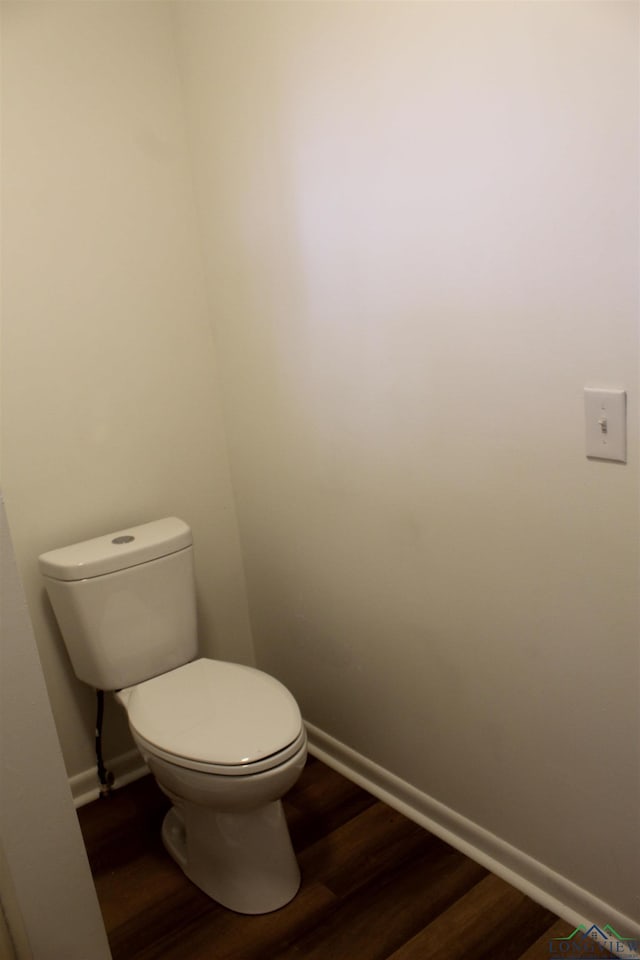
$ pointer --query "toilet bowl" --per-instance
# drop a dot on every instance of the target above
(225, 774)
(224, 741)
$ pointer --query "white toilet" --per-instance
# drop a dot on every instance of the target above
(225, 742)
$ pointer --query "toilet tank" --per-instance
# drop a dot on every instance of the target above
(125, 602)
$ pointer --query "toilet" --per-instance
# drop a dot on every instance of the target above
(224, 741)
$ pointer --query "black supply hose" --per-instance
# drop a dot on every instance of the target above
(105, 777)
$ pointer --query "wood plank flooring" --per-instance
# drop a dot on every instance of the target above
(375, 887)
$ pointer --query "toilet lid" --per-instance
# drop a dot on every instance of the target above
(213, 712)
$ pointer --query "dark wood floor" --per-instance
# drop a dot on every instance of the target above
(375, 887)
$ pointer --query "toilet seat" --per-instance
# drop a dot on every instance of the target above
(226, 770)
(216, 717)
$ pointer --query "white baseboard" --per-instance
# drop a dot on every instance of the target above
(127, 767)
(548, 888)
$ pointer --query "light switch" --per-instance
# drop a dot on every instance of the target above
(606, 424)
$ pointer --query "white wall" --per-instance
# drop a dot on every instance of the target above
(45, 882)
(421, 232)
(111, 408)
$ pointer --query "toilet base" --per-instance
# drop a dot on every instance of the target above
(243, 860)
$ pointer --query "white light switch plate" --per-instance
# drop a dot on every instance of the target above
(606, 424)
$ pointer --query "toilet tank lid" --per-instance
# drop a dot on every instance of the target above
(116, 551)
